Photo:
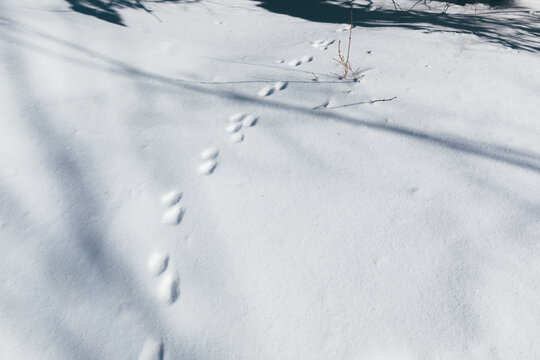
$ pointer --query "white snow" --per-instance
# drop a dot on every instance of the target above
(168, 290)
(393, 218)
(171, 198)
(173, 216)
(249, 120)
(152, 350)
(233, 127)
(280, 85)
(158, 263)
(236, 138)
(207, 167)
(236, 117)
(530, 4)
(210, 153)
(265, 91)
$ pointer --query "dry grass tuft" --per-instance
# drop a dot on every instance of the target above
(344, 61)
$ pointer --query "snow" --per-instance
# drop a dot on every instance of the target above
(393, 218)
(158, 263)
(529, 4)
(152, 350)
(174, 196)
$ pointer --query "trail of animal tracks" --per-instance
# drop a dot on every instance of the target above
(198, 184)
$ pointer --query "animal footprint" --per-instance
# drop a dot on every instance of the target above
(158, 263)
(169, 288)
(240, 120)
(207, 167)
(169, 285)
(152, 350)
(236, 138)
(265, 91)
(171, 198)
(175, 213)
(234, 127)
(300, 61)
(294, 62)
(249, 120)
(269, 90)
(209, 157)
(236, 117)
(280, 85)
(322, 44)
(209, 153)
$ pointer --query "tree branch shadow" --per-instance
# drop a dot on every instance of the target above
(520, 31)
(90, 237)
(77, 263)
(108, 10)
(496, 152)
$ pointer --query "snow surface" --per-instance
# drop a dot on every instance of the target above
(394, 218)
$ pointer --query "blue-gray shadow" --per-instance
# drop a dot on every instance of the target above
(521, 30)
(108, 10)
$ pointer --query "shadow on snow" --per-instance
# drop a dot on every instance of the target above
(518, 29)
(501, 153)
(108, 10)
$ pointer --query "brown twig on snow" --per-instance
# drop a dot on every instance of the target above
(325, 105)
(446, 7)
(396, 6)
(475, 14)
(346, 66)
(381, 100)
(416, 3)
(344, 61)
(322, 105)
